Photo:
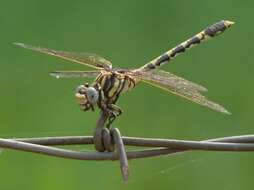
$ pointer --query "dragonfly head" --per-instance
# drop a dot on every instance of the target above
(87, 97)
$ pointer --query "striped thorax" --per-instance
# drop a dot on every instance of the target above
(115, 83)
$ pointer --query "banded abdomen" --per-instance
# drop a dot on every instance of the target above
(113, 84)
(209, 32)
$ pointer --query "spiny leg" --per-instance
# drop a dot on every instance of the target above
(209, 32)
(114, 111)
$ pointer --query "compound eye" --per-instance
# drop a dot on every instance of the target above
(81, 89)
(92, 95)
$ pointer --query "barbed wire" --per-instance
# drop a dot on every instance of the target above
(111, 145)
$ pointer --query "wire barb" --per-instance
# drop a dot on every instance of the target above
(121, 153)
(106, 139)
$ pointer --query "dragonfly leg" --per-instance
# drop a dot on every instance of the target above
(114, 112)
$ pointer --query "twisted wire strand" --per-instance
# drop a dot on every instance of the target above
(131, 141)
(106, 139)
(163, 146)
(158, 147)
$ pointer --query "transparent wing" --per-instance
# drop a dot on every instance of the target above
(180, 87)
(71, 74)
(168, 78)
(91, 60)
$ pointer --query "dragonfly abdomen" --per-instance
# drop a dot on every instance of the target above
(209, 32)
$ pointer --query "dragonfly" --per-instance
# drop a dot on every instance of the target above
(111, 82)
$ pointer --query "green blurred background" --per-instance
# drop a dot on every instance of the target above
(130, 33)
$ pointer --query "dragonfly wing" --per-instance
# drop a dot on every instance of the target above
(88, 59)
(181, 87)
(171, 79)
(71, 74)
